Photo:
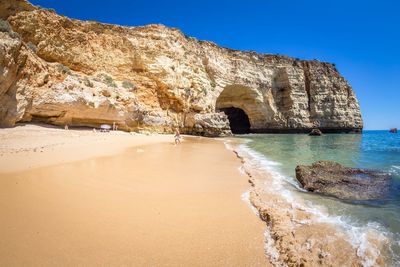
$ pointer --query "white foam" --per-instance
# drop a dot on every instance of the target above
(242, 170)
(365, 252)
(270, 249)
(246, 198)
(359, 235)
(394, 169)
(269, 242)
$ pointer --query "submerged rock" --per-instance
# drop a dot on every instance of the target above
(332, 179)
(315, 132)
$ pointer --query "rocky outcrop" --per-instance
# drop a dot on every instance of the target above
(64, 71)
(315, 132)
(332, 179)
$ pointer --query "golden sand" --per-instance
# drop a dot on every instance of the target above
(77, 198)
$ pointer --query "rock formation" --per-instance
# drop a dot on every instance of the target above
(63, 71)
(315, 132)
(332, 179)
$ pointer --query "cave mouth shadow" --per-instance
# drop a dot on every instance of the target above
(238, 120)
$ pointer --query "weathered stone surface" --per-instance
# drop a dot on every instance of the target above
(153, 77)
(207, 124)
(333, 179)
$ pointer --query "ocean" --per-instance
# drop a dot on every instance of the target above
(379, 150)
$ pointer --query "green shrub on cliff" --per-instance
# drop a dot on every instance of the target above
(32, 47)
(128, 85)
(64, 69)
(87, 82)
(106, 79)
(5, 26)
(45, 8)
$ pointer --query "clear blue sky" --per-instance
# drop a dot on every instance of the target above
(361, 37)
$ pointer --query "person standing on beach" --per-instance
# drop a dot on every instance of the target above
(177, 136)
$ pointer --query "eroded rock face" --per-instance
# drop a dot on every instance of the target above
(66, 71)
(332, 179)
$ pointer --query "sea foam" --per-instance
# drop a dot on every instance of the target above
(363, 238)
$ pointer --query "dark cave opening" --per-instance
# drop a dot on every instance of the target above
(238, 120)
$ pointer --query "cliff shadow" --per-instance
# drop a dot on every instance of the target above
(238, 120)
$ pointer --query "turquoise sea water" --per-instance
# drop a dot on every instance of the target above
(378, 150)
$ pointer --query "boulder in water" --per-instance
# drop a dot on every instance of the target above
(315, 132)
(332, 179)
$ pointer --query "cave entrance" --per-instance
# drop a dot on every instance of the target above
(242, 105)
(238, 120)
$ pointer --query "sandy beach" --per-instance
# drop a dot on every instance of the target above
(83, 198)
(290, 149)
(78, 198)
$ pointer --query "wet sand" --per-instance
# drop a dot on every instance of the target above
(297, 235)
(153, 204)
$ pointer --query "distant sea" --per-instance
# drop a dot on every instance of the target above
(378, 150)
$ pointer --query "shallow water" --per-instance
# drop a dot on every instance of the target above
(378, 150)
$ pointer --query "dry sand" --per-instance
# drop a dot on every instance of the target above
(77, 198)
(31, 146)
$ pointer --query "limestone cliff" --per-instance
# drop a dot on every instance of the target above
(64, 71)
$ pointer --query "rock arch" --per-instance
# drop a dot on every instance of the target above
(243, 106)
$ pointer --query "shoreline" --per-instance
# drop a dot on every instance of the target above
(296, 232)
(288, 233)
(133, 200)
